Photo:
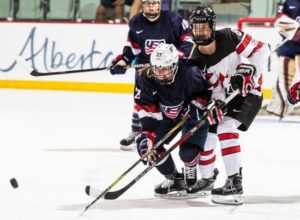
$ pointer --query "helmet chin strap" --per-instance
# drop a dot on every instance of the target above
(151, 18)
(204, 42)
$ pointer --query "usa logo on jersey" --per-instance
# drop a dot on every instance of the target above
(151, 44)
(171, 111)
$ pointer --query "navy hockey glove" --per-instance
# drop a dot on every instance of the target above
(118, 65)
(215, 113)
(145, 145)
(243, 78)
(294, 93)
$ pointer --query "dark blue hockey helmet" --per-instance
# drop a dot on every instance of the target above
(202, 15)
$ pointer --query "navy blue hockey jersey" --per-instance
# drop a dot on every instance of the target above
(144, 36)
(291, 8)
(154, 101)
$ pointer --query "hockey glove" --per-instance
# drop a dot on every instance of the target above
(294, 93)
(118, 65)
(243, 79)
(199, 103)
(215, 113)
(145, 146)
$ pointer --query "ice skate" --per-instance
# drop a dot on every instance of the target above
(128, 143)
(190, 178)
(202, 187)
(231, 192)
(190, 175)
(172, 188)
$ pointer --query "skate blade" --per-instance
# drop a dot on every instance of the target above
(130, 147)
(201, 194)
(236, 199)
(177, 195)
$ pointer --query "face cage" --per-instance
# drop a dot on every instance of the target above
(204, 41)
(152, 17)
(173, 72)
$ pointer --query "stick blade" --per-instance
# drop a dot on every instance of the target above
(93, 192)
(115, 194)
(36, 73)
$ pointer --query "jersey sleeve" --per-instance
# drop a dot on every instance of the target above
(182, 30)
(146, 105)
(132, 47)
(198, 85)
(253, 51)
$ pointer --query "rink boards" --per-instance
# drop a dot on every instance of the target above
(51, 47)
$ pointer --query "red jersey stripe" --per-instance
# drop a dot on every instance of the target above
(147, 108)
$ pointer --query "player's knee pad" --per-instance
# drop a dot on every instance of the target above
(189, 153)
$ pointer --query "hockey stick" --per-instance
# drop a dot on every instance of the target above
(118, 193)
(37, 73)
(175, 128)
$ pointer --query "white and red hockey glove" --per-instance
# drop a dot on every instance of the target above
(294, 93)
(199, 103)
(215, 113)
(243, 79)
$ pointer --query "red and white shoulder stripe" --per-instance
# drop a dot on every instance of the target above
(248, 46)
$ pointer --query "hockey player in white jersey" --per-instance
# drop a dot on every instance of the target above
(234, 60)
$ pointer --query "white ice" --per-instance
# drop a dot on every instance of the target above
(56, 143)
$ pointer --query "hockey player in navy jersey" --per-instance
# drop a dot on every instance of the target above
(287, 24)
(146, 30)
(161, 98)
(234, 60)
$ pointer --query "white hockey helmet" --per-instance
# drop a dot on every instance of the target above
(149, 12)
(164, 63)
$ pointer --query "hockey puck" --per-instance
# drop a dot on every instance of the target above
(14, 183)
(87, 190)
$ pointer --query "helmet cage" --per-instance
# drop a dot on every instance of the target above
(151, 16)
(164, 63)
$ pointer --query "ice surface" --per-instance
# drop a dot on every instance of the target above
(56, 143)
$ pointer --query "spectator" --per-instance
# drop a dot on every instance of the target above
(137, 6)
(117, 5)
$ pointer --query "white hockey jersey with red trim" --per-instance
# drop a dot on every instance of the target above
(233, 48)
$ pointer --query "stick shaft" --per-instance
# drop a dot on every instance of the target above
(37, 73)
